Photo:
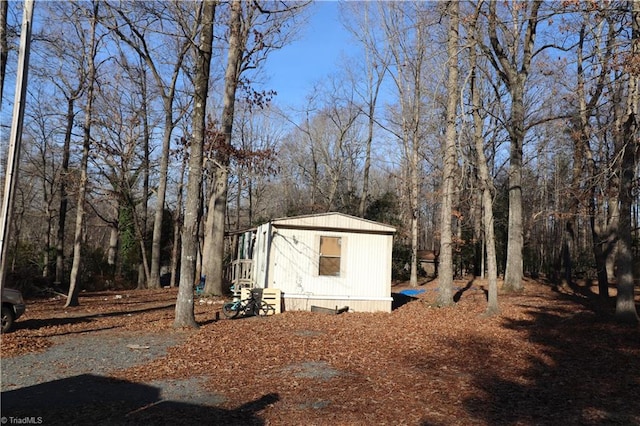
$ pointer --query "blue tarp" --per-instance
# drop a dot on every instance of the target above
(412, 292)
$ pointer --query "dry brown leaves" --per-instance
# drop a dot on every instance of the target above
(547, 358)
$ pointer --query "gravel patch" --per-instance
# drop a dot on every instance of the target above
(98, 353)
(313, 370)
(69, 381)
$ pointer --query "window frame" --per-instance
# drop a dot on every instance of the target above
(334, 272)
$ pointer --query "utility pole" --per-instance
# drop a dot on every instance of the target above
(15, 137)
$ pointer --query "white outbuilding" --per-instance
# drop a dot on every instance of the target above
(329, 260)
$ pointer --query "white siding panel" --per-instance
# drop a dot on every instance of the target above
(365, 264)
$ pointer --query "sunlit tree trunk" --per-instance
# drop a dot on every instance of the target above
(413, 199)
(185, 316)
(486, 185)
(114, 239)
(514, 70)
(213, 265)
(445, 271)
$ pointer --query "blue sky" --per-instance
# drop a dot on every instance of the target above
(293, 70)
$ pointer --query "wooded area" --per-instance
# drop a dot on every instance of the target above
(501, 135)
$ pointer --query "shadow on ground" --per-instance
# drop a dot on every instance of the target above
(78, 318)
(97, 400)
(586, 373)
(400, 299)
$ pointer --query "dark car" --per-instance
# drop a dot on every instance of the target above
(12, 308)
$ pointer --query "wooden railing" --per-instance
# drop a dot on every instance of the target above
(238, 273)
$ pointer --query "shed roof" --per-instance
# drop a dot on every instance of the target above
(334, 221)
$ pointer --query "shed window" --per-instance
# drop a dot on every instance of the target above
(330, 252)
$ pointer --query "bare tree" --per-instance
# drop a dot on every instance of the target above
(43, 163)
(178, 217)
(138, 37)
(214, 226)
(486, 183)
(409, 62)
(69, 76)
(258, 135)
(92, 48)
(336, 136)
(628, 146)
(254, 31)
(511, 54)
(121, 138)
(376, 58)
(445, 268)
(585, 164)
(184, 316)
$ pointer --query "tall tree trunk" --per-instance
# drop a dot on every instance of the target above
(410, 61)
(213, 266)
(515, 241)
(514, 71)
(62, 188)
(4, 46)
(589, 172)
(177, 224)
(486, 184)
(487, 203)
(625, 301)
(184, 314)
(156, 239)
(445, 269)
(413, 201)
(145, 270)
(46, 270)
(414, 158)
(74, 285)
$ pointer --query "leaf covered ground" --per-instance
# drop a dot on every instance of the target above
(552, 356)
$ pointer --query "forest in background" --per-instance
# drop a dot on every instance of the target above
(529, 108)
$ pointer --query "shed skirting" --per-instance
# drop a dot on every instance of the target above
(303, 302)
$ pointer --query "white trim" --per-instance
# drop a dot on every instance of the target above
(331, 297)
